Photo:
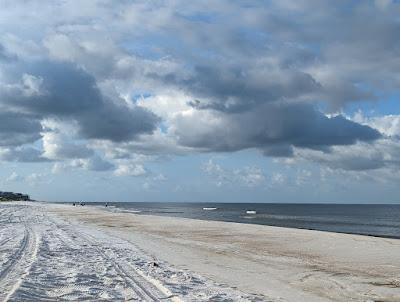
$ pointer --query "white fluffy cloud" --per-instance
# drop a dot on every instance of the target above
(247, 176)
(130, 169)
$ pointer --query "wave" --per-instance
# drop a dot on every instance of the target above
(209, 209)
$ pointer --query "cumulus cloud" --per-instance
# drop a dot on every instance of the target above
(234, 89)
(58, 147)
(130, 169)
(247, 176)
(35, 179)
(22, 154)
(18, 128)
(94, 163)
(389, 125)
(65, 91)
(145, 78)
(278, 178)
(382, 154)
(13, 177)
(5, 56)
(275, 128)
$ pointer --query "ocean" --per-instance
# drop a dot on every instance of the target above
(373, 219)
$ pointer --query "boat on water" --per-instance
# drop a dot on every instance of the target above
(251, 212)
(209, 209)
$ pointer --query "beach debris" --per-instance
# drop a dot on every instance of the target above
(154, 264)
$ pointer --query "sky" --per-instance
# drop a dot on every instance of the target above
(201, 101)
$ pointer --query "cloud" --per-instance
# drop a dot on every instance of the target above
(58, 147)
(152, 181)
(302, 177)
(18, 128)
(130, 169)
(14, 177)
(246, 176)
(384, 153)
(389, 125)
(250, 176)
(5, 56)
(32, 179)
(275, 128)
(235, 89)
(142, 78)
(22, 154)
(62, 90)
(277, 51)
(35, 179)
(94, 163)
(278, 178)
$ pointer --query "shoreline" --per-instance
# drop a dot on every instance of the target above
(182, 259)
(119, 210)
(271, 225)
(291, 263)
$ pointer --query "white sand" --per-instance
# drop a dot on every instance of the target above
(199, 260)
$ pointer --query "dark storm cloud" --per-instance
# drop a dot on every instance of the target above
(67, 92)
(117, 123)
(18, 128)
(235, 88)
(278, 150)
(274, 129)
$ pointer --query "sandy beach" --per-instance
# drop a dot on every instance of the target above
(57, 252)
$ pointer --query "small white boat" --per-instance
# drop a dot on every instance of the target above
(209, 209)
(251, 212)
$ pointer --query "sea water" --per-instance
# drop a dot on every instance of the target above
(373, 219)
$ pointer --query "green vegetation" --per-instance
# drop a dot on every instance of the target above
(11, 196)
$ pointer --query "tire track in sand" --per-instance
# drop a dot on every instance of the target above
(144, 289)
(17, 267)
(66, 246)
